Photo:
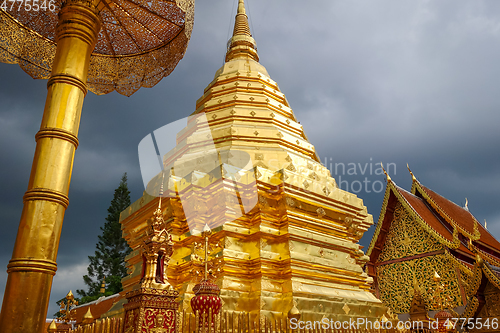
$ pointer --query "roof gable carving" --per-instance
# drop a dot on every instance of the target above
(457, 216)
(420, 213)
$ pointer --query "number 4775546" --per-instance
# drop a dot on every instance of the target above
(28, 5)
(473, 323)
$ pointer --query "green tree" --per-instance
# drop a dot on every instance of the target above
(109, 259)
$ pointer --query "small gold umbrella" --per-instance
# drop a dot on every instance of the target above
(100, 45)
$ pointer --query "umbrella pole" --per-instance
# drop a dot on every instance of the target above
(33, 263)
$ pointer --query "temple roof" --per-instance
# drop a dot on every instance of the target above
(466, 242)
(426, 218)
(441, 218)
(97, 307)
(419, 207)
(459, 217)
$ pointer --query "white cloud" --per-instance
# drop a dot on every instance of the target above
(67, 278)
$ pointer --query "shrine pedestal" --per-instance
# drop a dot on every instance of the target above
(151, 310)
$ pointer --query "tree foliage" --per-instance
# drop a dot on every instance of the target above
(108, 260)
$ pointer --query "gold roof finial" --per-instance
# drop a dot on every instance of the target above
(88, 314)
(66, 307)
(242, 44)
(241, 26)
(413, 178)
(88, 318)
(386, 174)
(52, 327)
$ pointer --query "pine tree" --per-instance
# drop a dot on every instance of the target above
(109, 259)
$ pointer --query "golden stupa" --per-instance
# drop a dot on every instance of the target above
(297, 247)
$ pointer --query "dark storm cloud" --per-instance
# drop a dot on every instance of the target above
(398, 81)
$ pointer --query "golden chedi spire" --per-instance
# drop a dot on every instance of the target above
(242, 44)
(289, 234)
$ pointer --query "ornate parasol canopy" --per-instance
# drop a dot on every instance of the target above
(140, 42)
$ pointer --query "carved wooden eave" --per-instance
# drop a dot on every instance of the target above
(472, 301)
(482, 273)
(393, 189)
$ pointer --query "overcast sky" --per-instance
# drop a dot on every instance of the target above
(398, 81)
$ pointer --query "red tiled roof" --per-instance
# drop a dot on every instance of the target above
(459, 215)
(97, 308)
(463, 218)
(488, 239)
(430, 218)
(60, 326)
(427, 214)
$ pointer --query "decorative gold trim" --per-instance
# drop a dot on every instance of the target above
(463, 268)
(492, 276)
(57, 133)
(471, 308)
(48, 195)
(78, 20)
(472, 301)
(69, 79)
(32, 265)
(417, 256)
(485, 256)
(380, 221)
(476, 279)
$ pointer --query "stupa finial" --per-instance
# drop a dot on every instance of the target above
(242, 44)
(241, 26)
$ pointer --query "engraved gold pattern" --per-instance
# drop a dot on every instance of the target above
(406, 238)
(396, 280)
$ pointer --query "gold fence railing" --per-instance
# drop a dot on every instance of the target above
(106, 325)
(233, 322)
(242, 322)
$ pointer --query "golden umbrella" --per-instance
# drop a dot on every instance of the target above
(100, 45)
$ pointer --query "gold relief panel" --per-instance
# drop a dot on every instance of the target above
(158, 321)
(397, 280)
(406, 238)
(468, 282)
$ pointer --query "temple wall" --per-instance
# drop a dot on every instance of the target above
(409, 258)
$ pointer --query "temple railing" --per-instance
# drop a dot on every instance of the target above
(106, 325)
(230, 322)
(242, 322)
